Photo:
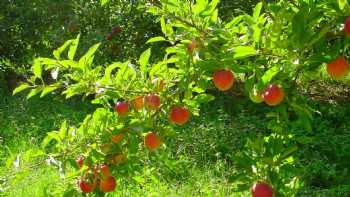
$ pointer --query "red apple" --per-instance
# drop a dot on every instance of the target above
(179, 115)
(86, 187)
(105, 170)
(191, 46)
(116, 30)
(80, 161)
(117, 138)
(223, 79)
(108, 184)
(152, 101)
(122, 108)
(137, 103)
(109, 37)
(338, 68)
(273, 95)
(347, 26)
(152, 141)
(261, 189)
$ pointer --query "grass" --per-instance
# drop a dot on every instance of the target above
(198, 162)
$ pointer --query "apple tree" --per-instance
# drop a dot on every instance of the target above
(271, 55)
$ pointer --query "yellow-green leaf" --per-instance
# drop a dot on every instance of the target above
(20, 88)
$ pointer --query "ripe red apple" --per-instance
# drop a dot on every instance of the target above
(117, 138)
(109, 37)
(116, 30)
(273, 95)
(338, 68)
(108, 184)
(122, 108)
(86, 187)
(179, 115)
(261, 189)
(223, 79)
(105, 170)
(80, 161)
(347, 26)
(152, 101)
(191, 46)
(137, 103)
(152, 141)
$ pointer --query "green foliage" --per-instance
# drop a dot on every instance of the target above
(282, 42)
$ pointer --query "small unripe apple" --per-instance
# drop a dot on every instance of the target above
(106, 148)
(223, 79)
(152, 141)
(116, 159)
(152, 101)
(80, 161)
(338, 68)
(122, 108)
(108, 184)
(261, 189)
(85, 186)
(117, 138)
(179, 115)
(119, 158)
(347, 26)
(256, 96)
(273, 95)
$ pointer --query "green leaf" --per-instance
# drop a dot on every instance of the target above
(33, 92)
(257, 10)
(269, 74)
(109, 70)
(88, 58)
(156, 39)
(235, 21)
(241, 52)
(50, 137)
(73, 48)
(47, 90)
(214, 16)
(287, 153)
(199, 7)
(163, 26)
(204, 98)
(144, 58)
(104, 2)
(63, 130)
(57, 53)
(319, 35)
(20, 88)
(342, 4)
(37, 70)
